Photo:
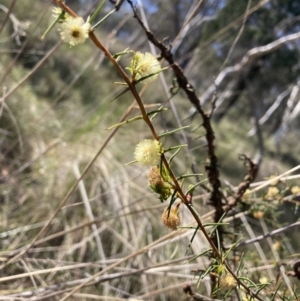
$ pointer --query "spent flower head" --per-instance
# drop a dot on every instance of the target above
(171, 218)
(74, 31)
(148, 152)
(158, 184)
(276, 245)
(142, 65)
(258, 214)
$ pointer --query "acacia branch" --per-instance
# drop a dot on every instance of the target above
(211, 163)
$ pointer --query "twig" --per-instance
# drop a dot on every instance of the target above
(91, 218)
(6, 72)
(272, 233)
(243, 186)
(89, 212)
(266, 183)
(194, 296)
(29, 272)
(247, 60)
(31, 161)
(276, 256)
(95, 280)
(271, 110)
(34, 69)
(257, 245)
(7, 14)
(238, 35)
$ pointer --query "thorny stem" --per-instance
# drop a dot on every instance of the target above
(149, 123)
(128, 82)
(211, 163)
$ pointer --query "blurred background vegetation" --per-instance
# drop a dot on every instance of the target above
(57, 103)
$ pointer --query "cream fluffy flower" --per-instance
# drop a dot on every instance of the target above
(74, 31)
(144, 64)
(295, 190)
(227, 282)
(272, 193)
(148, 152)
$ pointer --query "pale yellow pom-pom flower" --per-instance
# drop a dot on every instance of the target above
(74, 31)
(148, 152)
(144, 64)
(295, 190)
(263, 280)
(272, 192)
(227, 282)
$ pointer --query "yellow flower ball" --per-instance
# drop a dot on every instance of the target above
(272, 192)
(148, 152)
(295, 190)
(144, 64)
